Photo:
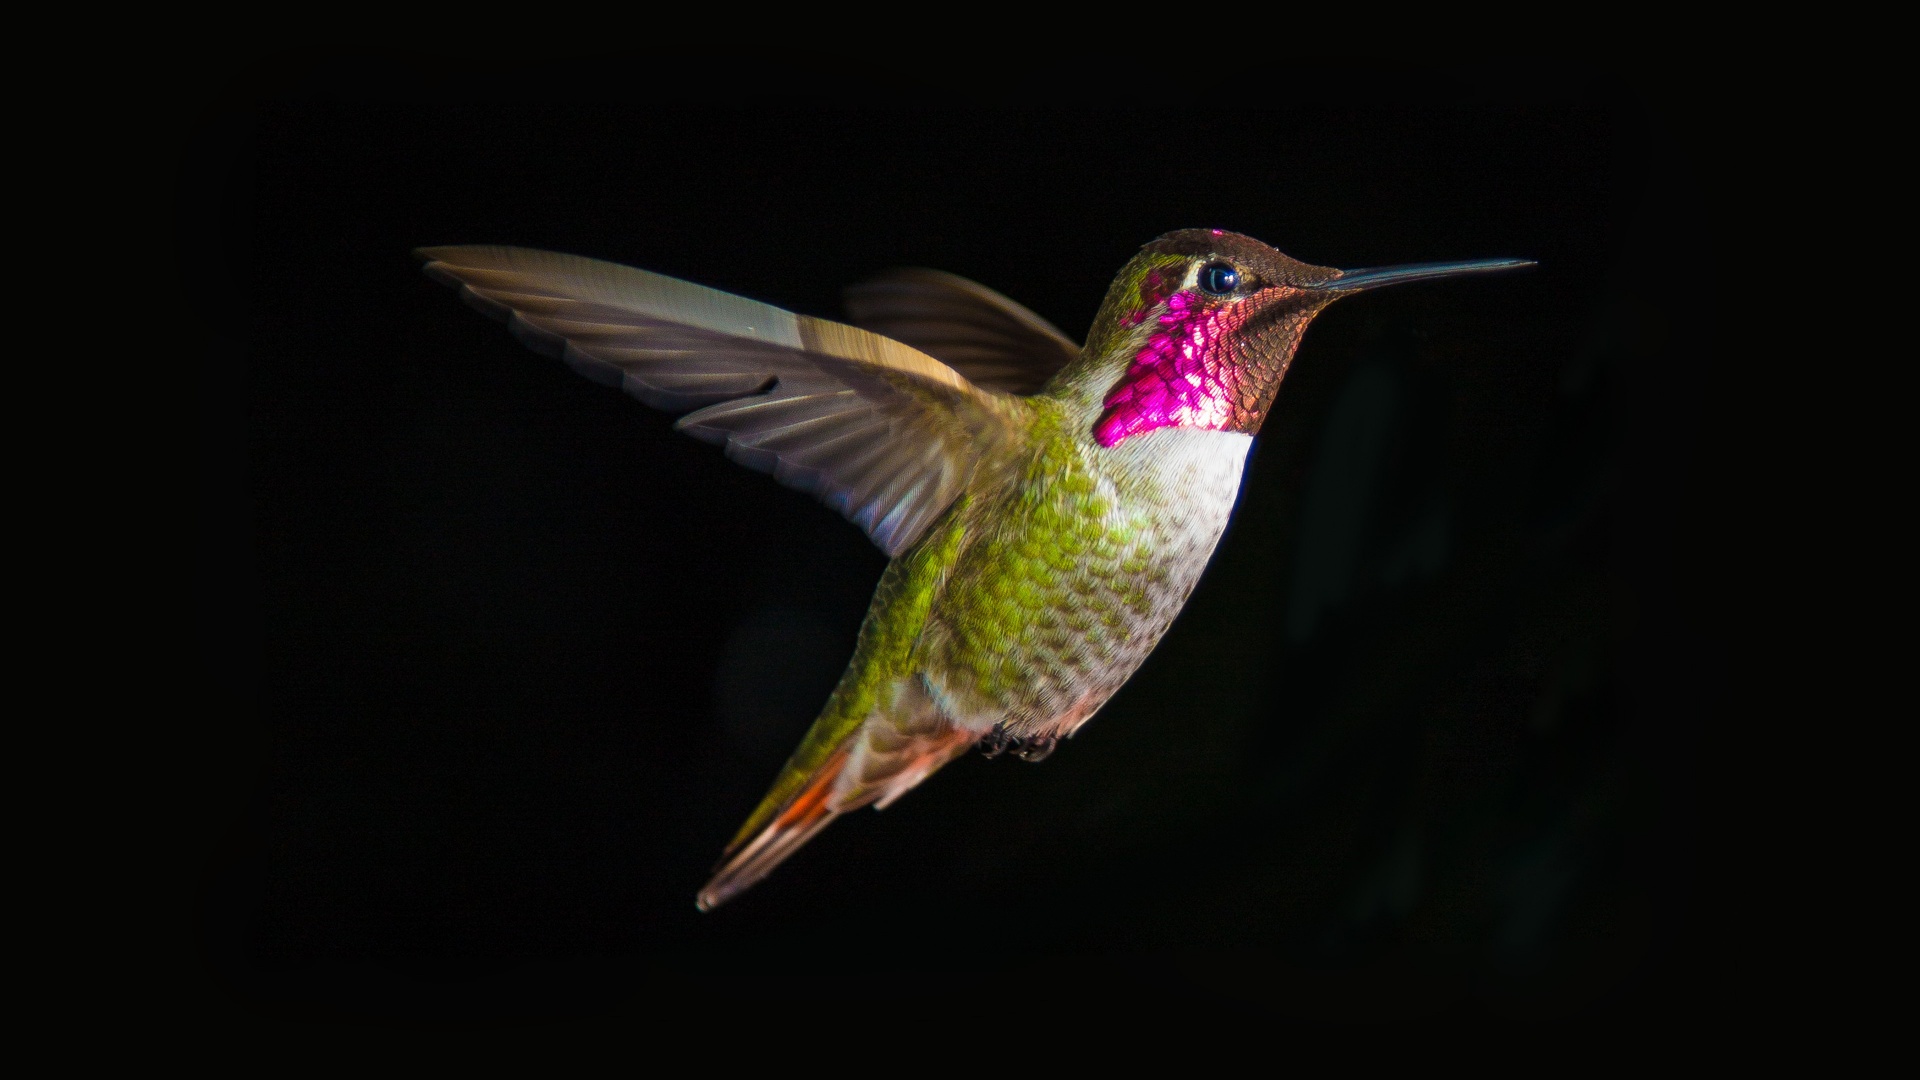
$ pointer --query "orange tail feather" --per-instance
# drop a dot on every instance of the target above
(746, 863)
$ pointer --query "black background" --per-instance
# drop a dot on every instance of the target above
(496, 663)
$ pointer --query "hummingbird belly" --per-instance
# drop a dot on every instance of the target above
(1067, 579)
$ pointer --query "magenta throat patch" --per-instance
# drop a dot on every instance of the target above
(1183, 377)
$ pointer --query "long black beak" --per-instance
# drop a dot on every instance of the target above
(1355, 280)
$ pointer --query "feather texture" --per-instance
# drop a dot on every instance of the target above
(993, 341)
(877, 429)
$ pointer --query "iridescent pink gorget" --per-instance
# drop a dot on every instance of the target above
(1183, 376)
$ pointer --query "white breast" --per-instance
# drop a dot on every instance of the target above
(1190, 479)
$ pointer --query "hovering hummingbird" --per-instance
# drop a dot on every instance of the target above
(1047, 507)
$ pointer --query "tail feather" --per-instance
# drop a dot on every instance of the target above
(874, 761)
(747, 861)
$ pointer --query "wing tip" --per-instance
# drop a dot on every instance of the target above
(716, 435)
(439, 257)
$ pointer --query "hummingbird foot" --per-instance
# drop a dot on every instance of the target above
(1028, 748)
(1036, 748)
(996, 743)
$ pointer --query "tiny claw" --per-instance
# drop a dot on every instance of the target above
(1038, 748)
(993, 744)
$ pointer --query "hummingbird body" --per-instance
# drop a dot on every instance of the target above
(1049, 508)
(1018, 615)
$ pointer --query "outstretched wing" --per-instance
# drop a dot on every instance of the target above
(991, 340)
(880, 431)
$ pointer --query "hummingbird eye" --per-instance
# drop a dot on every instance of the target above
(1218, 278)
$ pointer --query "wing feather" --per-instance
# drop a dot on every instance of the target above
(876, 428)
(993, 341)
(838, 450)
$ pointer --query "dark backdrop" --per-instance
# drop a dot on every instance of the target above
(496, 663)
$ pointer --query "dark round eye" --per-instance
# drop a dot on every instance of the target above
(1219, 278)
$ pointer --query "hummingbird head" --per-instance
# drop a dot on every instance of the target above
(1199, 327)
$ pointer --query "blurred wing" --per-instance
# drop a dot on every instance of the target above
(991, 340)
(882, 432)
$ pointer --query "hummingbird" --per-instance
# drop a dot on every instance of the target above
(1047, 507)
